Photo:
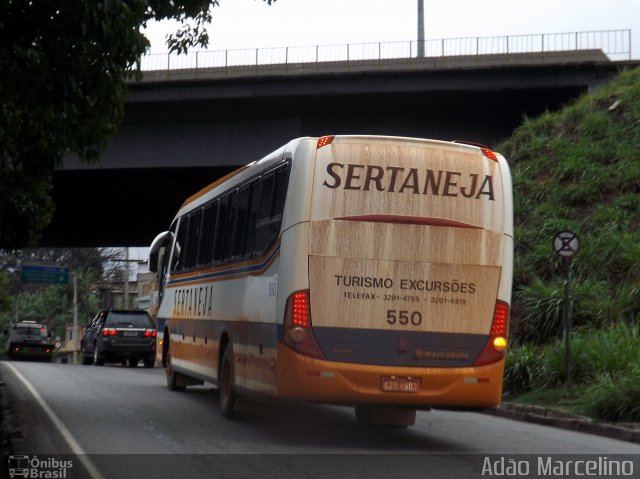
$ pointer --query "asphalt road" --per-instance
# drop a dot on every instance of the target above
(122, 422)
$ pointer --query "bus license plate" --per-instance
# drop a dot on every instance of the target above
(397, 384)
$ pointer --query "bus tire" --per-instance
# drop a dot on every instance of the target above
(175, 381)
(364, 415)
(149, 362)
(226, 390)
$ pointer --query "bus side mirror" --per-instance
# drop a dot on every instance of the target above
(157, 245)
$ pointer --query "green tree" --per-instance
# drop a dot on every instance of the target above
(62, 85)
(48, 303)
(5, 299)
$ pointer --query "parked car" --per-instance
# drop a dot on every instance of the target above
(120, 336)
(29, 339)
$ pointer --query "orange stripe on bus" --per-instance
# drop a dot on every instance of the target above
(250, 366)
(206, 356)
(207, 189)
(227, 267)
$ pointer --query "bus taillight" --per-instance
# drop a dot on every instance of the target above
(297, 326)
(301, 313)
(500, 319)
(489, 154)
(496, 347)
(324, 141)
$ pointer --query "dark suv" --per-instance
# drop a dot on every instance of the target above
(28, 339)
(120, 336)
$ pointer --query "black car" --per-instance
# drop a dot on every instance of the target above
(120, 336)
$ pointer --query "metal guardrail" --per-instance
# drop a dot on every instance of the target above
(615, 44)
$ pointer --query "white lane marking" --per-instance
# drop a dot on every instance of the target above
(62, 429)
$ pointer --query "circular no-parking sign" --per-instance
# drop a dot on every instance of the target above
(566, 244)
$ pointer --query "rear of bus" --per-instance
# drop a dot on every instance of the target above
(409, 251)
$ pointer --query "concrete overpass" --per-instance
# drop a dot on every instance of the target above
(184, 128)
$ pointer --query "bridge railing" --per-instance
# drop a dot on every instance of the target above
(615, 44)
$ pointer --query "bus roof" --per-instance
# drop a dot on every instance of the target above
(277, 155)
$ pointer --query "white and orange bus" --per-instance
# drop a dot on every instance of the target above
(359, 270)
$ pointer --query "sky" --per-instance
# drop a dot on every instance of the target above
(252, 23)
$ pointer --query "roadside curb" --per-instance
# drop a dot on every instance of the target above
(11, 438)
(551, 417)
(7, 431)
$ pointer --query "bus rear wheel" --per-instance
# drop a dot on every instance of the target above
(226, 390)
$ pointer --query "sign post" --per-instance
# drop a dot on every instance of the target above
(566, 244)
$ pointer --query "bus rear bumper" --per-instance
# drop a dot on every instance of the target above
(305, 378)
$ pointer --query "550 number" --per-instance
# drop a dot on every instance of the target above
(404, 318)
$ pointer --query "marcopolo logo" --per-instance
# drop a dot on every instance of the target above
(38, 468)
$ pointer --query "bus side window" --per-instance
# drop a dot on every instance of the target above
(252, 218)
(178, 253)
(205, 255)
(263, 230)
(272, 199)
(229, 227)
(266, 194)
(193, 236)
(282, 183)
(223, 210)
(241, 222)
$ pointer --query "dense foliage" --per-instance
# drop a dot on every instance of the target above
(52, 304)
(578, 169)
(605, 376)
(62, 87)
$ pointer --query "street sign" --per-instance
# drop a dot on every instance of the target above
(566, 244)
(32, 273)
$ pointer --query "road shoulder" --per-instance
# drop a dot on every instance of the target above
(629, 432)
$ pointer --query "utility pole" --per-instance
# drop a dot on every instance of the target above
(74, 331)
(126, 278)
(420, 28)
(126, 261)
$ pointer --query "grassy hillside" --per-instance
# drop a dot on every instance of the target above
(579, 169)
